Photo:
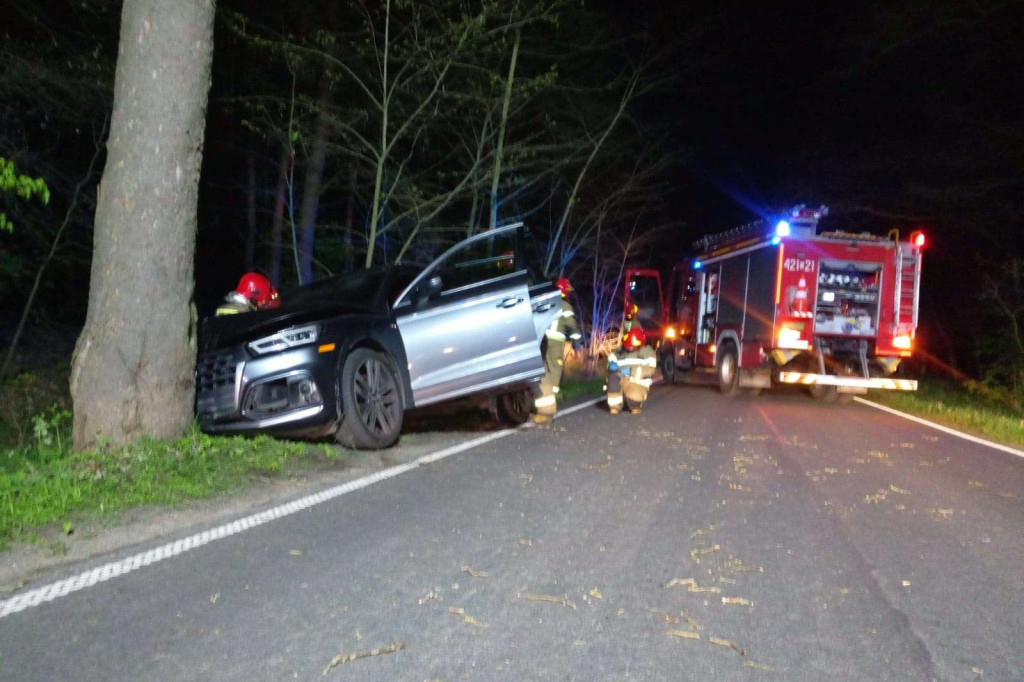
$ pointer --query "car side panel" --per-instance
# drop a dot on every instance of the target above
(471, 340)
(546, 304)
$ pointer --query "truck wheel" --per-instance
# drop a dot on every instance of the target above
(513, 409)
(668, 367)
(728, 370)
(824, 394)
(371, 401)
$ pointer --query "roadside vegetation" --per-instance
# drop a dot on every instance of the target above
(972, 407)
(43, 482)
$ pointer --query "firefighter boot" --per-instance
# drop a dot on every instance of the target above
(544, 404)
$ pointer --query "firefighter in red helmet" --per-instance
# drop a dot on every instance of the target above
(630, 372)
(563, 328)
(254, 292)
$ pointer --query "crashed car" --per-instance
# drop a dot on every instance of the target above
(350, 354)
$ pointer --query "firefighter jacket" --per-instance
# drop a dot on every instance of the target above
(637, 366)
(564, 327)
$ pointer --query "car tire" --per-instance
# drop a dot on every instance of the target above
(728, 370)
(371, 400)
(513, 408)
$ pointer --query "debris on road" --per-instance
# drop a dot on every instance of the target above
(547, 598)
(466, 618)
(430, 596)
(295, 552)
(697, 552)
(366, 653)
(900, 491)
(526, 542)
(946, 514)
(474, 573)
(596, 593)
(724, 642)
(758, 666)
(597, 467)
(737, 601)
(691, 585)
(682, 634)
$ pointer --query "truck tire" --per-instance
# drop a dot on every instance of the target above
(824, 394)
(728, 367)
(371, 401)
(667, 363)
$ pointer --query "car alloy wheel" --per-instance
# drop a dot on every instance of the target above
(371, 401)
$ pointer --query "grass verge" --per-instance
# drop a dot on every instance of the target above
(971, 408)
(46, 483)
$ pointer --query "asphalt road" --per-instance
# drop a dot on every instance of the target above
(770, 538)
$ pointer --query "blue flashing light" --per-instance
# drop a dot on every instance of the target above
(782, 229)
(776, 240)
(697, 265)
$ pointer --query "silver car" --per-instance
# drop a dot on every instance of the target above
(349, 355)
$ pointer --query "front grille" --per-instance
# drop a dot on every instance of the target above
(215, 384)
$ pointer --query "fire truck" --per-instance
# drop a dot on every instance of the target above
(777, 302)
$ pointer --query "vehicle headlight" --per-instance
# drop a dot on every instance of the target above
(284, 339)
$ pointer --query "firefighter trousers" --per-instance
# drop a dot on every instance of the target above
(623, 392)
(544, 402)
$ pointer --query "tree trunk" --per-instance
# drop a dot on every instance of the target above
(311, 189)
(277, 226)
(133, 371)
(350, 217)
(500, 150)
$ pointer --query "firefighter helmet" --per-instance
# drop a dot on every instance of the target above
(635, 338)
(564, 286)
(258, 290)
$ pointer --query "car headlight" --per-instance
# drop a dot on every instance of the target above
(284, 339)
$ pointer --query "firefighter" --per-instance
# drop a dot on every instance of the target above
(629, 373)
(564, 327)
(254, 292)
(630, 320)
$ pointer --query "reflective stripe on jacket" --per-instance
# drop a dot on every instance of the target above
(564, 326)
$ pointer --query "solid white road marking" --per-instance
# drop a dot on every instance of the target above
(113, 569)
(944, 429)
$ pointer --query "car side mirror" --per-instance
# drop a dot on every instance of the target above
(431, 288)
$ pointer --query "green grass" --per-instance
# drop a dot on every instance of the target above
(45, 483)
(579, 387)
(969, 407)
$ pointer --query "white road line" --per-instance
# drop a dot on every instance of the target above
(114, 569)
(944, 429)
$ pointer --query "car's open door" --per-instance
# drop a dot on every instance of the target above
(467, 323)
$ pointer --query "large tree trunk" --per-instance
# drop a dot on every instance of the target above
(134, 365)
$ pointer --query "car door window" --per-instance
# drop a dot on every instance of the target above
(479, 261)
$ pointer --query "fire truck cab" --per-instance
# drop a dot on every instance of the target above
(782, 304)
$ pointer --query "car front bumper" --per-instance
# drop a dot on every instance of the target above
(288, 391)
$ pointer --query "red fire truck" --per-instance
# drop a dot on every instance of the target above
(834, 311)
